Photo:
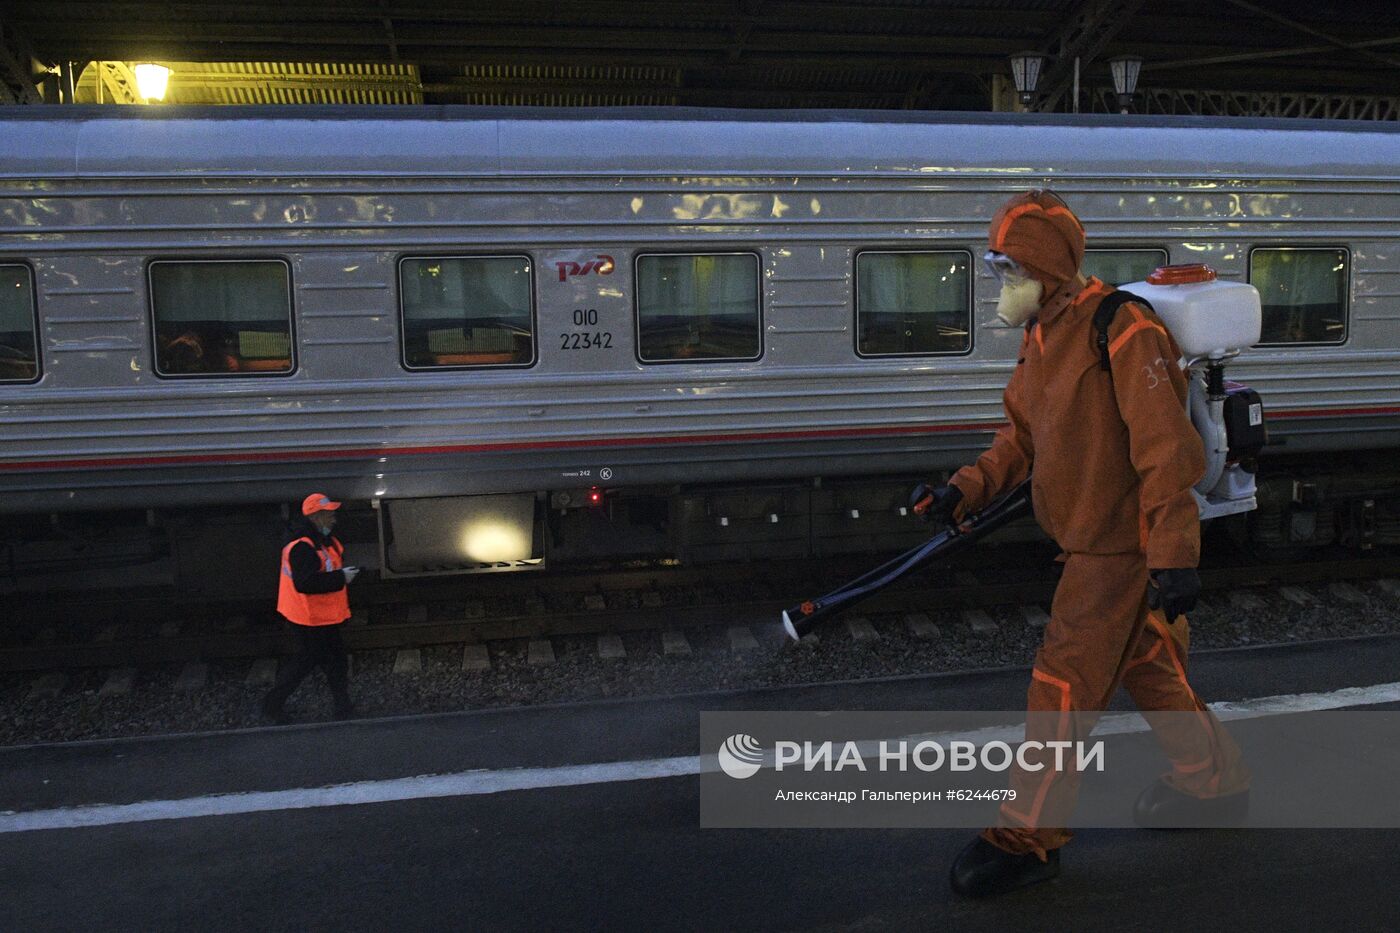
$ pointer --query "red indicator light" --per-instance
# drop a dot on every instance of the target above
(595, 496)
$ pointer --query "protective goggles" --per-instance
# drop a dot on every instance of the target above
(1002, 266)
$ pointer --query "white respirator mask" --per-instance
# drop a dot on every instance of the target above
(1019, 299)
(1021, 294)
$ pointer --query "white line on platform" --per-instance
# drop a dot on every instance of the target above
(459, 784)
(1309, 702)
(472, 783)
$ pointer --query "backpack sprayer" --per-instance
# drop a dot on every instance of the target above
(1212, 322)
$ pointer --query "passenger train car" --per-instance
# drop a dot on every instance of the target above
(515, 338)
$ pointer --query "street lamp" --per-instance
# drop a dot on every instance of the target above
(1025, 71)
(151, 80)
(1125, 70)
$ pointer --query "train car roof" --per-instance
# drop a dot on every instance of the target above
(58, 142)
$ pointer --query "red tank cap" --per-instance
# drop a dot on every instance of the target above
(1186, 274)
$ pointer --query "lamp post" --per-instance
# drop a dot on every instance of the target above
(1025, 71)
(1125, 70)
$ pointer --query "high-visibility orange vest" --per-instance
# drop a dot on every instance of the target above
(313, 608)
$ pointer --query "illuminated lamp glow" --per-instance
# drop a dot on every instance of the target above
(488, 541)
(152, 80)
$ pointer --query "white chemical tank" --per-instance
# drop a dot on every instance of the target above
(1208, 318)
(1213, 322)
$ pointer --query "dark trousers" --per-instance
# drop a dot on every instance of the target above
(318, 646)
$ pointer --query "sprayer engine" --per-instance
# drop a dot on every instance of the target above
(1213, 322)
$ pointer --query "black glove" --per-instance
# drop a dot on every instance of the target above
(1173, 591)
(935, 503)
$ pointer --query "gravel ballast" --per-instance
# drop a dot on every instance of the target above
(226, 700)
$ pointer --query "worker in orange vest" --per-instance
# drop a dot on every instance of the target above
(313, 596)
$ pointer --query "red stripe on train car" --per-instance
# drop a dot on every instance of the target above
(583, 443)
(1332, 412)
(586, 443)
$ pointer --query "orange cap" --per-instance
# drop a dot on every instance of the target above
(1192, 273)
(1038, 230)
(318, 502)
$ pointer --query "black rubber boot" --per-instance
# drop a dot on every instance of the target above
(983, 870)
(1162, 806)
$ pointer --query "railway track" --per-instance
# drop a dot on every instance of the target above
(157, 629)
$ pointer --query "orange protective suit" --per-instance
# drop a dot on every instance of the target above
(1114, 457)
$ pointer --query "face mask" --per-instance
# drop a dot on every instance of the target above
(1019, 299)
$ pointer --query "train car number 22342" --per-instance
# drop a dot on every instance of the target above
(585, 339)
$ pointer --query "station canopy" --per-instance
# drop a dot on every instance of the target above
(1227, 57)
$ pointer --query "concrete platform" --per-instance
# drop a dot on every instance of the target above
(626, 854)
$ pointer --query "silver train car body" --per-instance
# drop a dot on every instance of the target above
(91, 199)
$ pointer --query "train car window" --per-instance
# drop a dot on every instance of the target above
(466, 311)
(913, 303)
(1121, 266)
(222, 317)
(1303, 292)
(698, 307)
(19, 341)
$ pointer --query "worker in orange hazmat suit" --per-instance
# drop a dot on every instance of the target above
(1113, 457)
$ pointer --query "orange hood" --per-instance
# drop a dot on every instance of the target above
(1040, 232)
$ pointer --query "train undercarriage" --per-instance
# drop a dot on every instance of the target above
(1304, 502)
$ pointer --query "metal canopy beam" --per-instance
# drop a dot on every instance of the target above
(1261, 56)
(1315, 33)
(119, 83)
(1254, 104)
(17, 84)
(1087, 31)
(390, 39)
(482, 91)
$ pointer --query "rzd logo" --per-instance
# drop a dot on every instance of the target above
(603, 265)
